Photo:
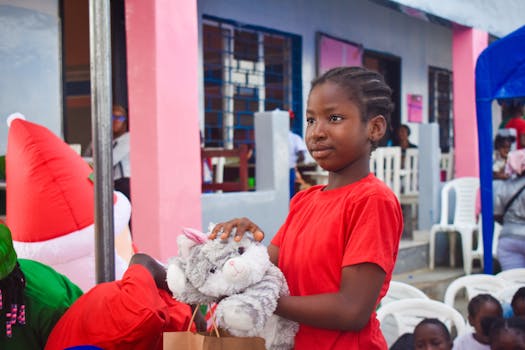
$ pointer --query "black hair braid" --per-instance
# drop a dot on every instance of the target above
(12, 305)
(475, 303)
(364, 87)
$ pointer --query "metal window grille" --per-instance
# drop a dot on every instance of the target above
(246, 70)
(440, 105)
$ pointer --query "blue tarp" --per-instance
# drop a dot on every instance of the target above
(500, 74)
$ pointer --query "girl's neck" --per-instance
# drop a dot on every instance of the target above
(352, 173)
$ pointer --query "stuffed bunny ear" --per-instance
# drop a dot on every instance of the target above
(188, 239)
(195, 235)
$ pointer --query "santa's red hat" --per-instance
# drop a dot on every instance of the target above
(50, 200)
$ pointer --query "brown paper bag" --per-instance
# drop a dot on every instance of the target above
(205, 341)
(218, 340)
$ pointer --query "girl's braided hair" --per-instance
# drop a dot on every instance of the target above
(12, 306)
(366, 88)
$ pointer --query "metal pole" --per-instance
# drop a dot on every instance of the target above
(101, 125)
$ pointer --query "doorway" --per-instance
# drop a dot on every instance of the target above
(76, 67)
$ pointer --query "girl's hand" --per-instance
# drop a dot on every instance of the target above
(242, 225)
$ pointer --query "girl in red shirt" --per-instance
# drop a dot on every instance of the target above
(338, 245)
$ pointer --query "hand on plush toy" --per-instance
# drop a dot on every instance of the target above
(239, 226)
(239, 276)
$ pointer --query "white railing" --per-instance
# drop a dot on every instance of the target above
(402, 176)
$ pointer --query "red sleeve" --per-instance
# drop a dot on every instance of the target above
(377, 223)
(124, 314)
(180, 314)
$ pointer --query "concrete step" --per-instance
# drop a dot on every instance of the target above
(412, 255)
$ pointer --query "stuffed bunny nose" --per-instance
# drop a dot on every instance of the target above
(234, 270)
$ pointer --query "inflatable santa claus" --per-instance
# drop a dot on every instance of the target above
(50, 204)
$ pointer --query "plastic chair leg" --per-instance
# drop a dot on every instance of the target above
(467, 247)
(452, 248)
(432, 248)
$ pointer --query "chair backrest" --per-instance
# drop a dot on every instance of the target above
(217, 183)
(465, 190)
(515, 276)
(411, 173)
(407, 314)
(401, 290)
(385, 163)
(474, 285)
(506, 294)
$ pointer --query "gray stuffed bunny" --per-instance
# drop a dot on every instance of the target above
(240, 277)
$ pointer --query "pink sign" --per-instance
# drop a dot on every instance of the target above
(415, 108)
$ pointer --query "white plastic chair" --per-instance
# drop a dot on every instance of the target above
(401, 290)
(474, 285)
(407, 313)
(514, 276)
(464, 222)
(506, 294)
(385, 163)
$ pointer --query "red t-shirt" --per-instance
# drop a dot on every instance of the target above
(328, 230)
(517, 123)
(127, 314)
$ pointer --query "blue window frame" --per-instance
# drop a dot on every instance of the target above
(247, 69)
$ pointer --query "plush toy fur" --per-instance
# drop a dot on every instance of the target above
(241, 278)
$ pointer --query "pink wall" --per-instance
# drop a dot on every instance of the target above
(467, 45)
(163, 106)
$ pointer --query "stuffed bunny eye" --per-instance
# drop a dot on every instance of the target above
(213, 269)
(241, 250)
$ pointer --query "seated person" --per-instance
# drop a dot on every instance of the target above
(518, 303)
(507, 333)
(481, 309)
(131, 313)
(431, 333)
(33, 297)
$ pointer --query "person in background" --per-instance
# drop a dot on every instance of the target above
(33, 297)
(513, 118)
(401, 135)
(509, 208)
(131, 313)
(297, 150)
(338, 245)
(121, 165)
(518, 303)
(481, 309)
(431, 333)
(502, 145)
(121, 146)
(507, 334)
(404, 342)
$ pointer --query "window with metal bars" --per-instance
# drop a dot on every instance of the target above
(247, 69)
(440, 105)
